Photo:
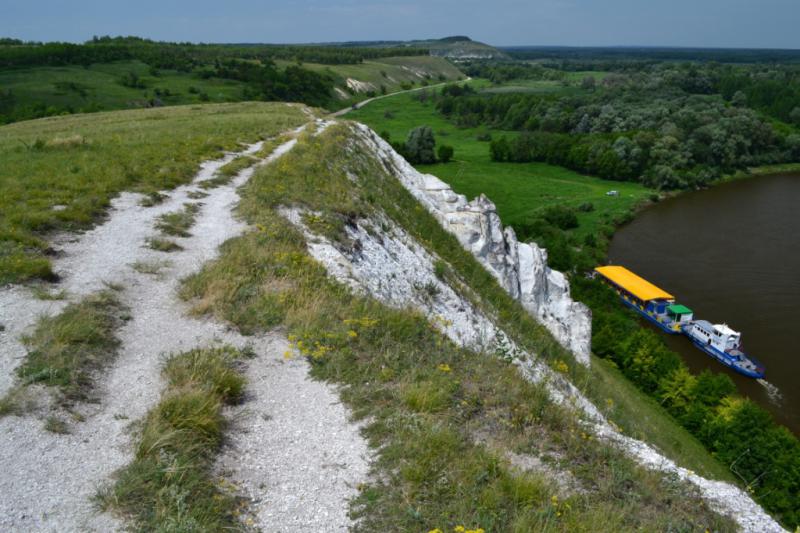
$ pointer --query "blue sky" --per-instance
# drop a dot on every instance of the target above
(723, 23)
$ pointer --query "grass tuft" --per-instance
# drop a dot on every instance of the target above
(169, 486)
(150, 267)
(178, 223)
(53, 424)
(65, 350)
(163, 245)
(153, 198)
(42, 293)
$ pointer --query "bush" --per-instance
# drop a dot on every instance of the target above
(561, 217)
(445, 153)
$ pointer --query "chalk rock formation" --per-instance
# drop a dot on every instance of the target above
(520, 268)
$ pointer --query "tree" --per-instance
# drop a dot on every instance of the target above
(588, 83)
(445, 153)
(739, 99)
(420, 145)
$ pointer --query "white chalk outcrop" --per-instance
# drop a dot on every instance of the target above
(387, 263)
(520, 268)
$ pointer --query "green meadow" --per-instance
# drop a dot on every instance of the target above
(521, 191)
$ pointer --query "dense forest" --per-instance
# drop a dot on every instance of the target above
(180, 56)
(669, 126)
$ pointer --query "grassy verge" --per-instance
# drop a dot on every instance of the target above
(431, 405)
(169, 485)
(61, 173)
(178, 223)
(65, 350)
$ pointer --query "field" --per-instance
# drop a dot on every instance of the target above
(60, 173)
(570, 84)
(520, 190)
(98, 87)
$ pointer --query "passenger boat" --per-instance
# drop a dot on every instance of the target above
(654, 304)
(659, 308)
(723, 344)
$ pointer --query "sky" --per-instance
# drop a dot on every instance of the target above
(704, 23)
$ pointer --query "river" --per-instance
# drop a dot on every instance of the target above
(732, 254)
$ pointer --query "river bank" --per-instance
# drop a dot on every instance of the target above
(704, 255)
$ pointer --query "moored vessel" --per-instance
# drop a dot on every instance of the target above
(723, 344)
(659, 308)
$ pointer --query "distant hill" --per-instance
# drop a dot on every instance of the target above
(456, 47)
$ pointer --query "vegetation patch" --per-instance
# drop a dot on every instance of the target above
(163, 245)
(427, 400)
(66, 350)
(170, 485)
(178, 223)
(146, 150)
(150, 267)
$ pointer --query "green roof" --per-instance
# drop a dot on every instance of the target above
(679, 309)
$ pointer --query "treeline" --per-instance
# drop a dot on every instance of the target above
(653, 54)
(180, 56)
(665, 135)
(741, 434)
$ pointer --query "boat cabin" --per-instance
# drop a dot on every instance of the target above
(718, 336)
(680, 313)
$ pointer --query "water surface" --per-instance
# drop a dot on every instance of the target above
(732, 254)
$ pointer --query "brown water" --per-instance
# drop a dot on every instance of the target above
(732, 254)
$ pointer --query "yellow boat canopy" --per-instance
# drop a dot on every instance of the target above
(639, 287)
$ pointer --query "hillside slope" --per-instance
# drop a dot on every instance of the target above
(413, 328)
(460, 353)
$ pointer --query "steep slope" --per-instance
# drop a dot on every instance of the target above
(449, 368)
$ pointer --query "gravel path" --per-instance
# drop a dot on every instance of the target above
(294, 452)
(47, 480)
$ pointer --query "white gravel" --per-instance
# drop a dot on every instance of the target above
(47, 480)
(294, 453)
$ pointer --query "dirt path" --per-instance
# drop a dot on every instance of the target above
(47, 480)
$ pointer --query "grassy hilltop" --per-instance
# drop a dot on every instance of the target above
(61, 173)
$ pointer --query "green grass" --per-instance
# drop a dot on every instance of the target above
(97, 87)
(170, 485)
(427, 401)
(520, 191)
(143, 150)
(67, 349)
(163, 245)
(178, 223)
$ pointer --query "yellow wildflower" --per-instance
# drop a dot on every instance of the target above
(444, 367)
(562, 367)
(554, 499)
(459, 529)
(437, 530)
(352, 334)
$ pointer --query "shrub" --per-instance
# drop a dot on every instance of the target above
(445, 153)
